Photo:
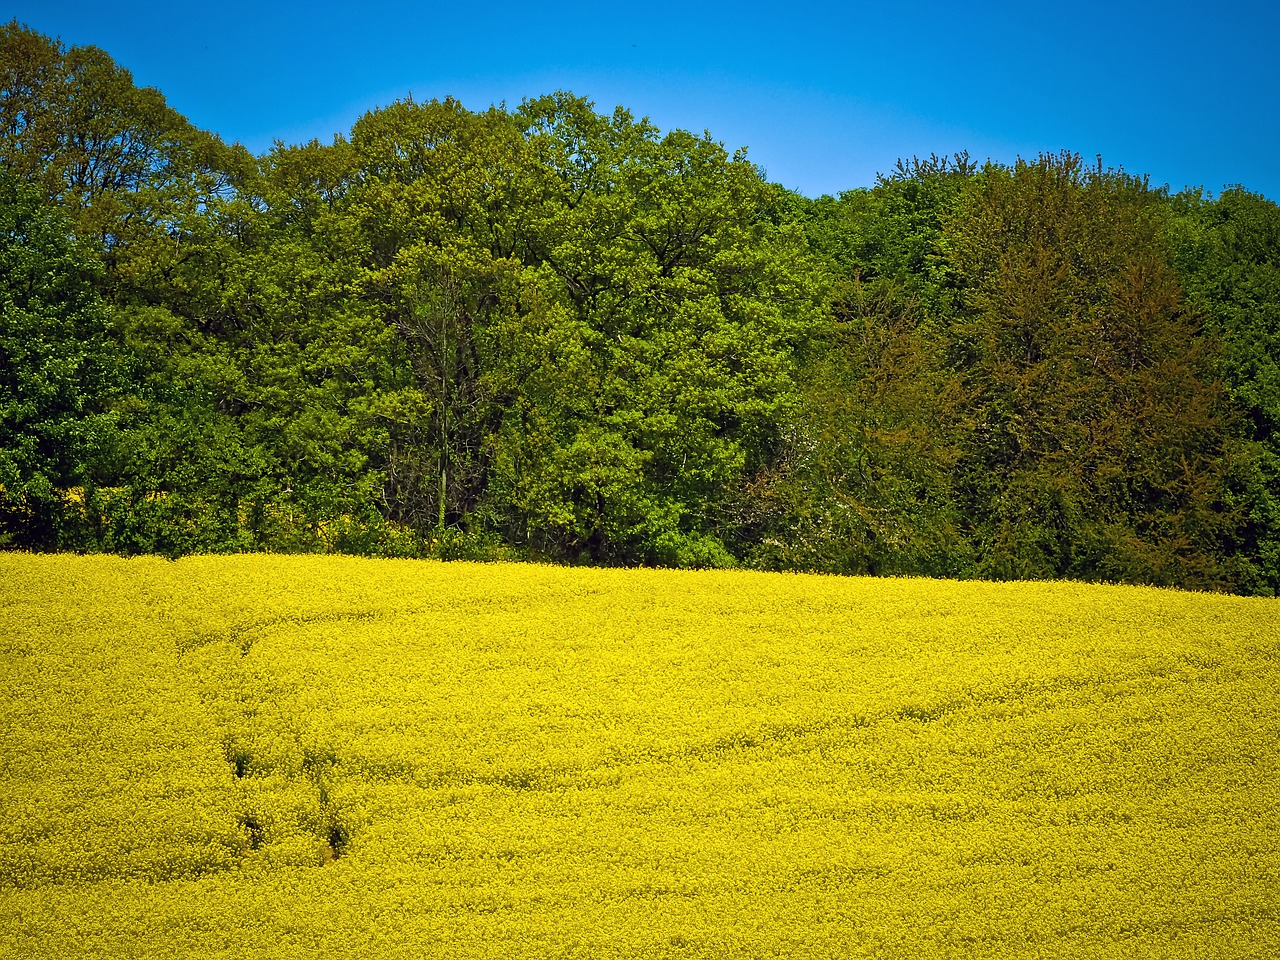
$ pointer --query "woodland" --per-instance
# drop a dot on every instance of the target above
(558, 334)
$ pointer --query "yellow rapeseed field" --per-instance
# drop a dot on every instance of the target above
(327, 757)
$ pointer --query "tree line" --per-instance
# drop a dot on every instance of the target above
(555, 333)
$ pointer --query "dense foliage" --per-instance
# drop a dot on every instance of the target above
(551, 332)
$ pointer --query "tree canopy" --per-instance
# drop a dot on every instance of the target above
(558, 333)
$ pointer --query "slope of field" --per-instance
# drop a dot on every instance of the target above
(312, 757)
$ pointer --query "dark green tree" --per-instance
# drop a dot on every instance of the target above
(59, 374)
(1098, 445)
(864, 484)
(1228, 256)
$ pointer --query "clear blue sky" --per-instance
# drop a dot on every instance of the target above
(824, 97)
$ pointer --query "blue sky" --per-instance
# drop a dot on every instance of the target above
(824, 97)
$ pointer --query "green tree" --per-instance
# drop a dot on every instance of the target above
(598, 320)
(864, 485)
(864, 482)
(1228, 256)
(1099, 442)
(665, 295)
(435, 208)
(59, 373)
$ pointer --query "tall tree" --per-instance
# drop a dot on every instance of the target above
(864, 483)
(59, 373)
(1098, 438)
(669, 284)
(435, 206)
(1228, 255)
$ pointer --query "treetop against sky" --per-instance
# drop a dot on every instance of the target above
(825, 99)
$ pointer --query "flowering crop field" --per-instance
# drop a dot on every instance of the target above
(315, 756)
